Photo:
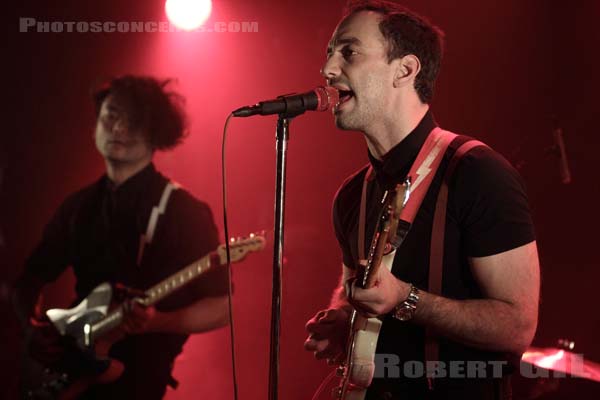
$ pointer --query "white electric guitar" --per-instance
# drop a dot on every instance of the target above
(90, 324)
(356, 372)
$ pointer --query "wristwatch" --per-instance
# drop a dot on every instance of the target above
(406, 310)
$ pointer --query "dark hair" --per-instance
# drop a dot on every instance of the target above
(407, 33)
(150, 107)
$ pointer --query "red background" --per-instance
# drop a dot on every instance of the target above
(509, 67)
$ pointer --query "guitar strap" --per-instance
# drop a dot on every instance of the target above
(436, 255)
(156, 212)
(421, 175)
(362, 216)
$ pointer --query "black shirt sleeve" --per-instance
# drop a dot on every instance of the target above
(490, 203)
(47, 261)
(339, 234)
(201, 237)
(51, 256)
(345, 210)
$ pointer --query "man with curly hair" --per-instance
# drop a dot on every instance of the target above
(106, 234)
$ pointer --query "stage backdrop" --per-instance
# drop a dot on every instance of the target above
(510, 68)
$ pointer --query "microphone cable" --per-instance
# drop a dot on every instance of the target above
(229, 269)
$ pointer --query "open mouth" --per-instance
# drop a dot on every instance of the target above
(345, 95)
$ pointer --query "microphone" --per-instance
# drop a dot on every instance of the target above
(322, 98)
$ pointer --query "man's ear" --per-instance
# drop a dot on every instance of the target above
(407, 69)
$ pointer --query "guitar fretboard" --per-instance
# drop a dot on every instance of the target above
(158, 292)
(176, 281)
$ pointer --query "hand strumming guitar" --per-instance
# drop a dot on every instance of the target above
(328, 333)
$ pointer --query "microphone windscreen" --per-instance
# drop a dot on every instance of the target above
(328, 97)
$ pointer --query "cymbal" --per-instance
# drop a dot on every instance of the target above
(562, 360)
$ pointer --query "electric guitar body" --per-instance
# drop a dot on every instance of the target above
(88, 330)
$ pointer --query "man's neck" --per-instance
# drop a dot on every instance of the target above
(119, 172)
(387, 135)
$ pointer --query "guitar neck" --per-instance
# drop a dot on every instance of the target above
(176, 281)
(159, 291)
(386, 236)
(375, 256)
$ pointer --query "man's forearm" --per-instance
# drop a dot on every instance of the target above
(483, 323)
(203, 315)
(506, 319)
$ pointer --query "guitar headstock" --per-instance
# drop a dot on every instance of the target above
(241, 246)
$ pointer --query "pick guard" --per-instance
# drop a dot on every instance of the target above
(93, 308)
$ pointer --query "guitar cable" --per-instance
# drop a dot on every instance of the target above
(229, 270)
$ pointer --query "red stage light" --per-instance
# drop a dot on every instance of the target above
(188, 14)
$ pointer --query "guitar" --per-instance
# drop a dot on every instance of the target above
(90, 325)
(356, 372)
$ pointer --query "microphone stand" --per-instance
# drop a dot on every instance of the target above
(282, 136)
(290, 107)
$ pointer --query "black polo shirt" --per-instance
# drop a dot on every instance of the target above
(97, 232)
(487, 214)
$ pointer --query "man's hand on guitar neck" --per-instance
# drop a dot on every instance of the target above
(137, 318)
(387, 292)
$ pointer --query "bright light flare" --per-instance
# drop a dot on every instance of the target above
(188, 14)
